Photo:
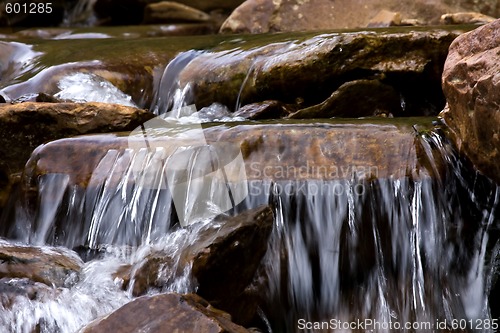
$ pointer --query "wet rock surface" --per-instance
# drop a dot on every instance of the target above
(312, 68)
(24, 126)
(265, 110)
(224, 261)
(166, 313)
(51, 266)
(293, 151)
(11, 289)
(471, 83)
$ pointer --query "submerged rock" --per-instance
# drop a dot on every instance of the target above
(310, 68)
(24, 126)
(12, 289)
(91, 81)
(166, 313)
(471, 83)
(51, 266)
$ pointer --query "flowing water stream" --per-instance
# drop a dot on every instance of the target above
(412, 249)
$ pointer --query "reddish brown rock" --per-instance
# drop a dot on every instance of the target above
(294, 151)
(471, 83)
(224, 260)
(25, 126)
(14, 289)
(257, 16)
(51, 266)
(166, 313)
(311, 68)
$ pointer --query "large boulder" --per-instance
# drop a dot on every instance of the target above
(289, 152)
(471, 83)
(165, 313)
(405, 66)
(258, 16)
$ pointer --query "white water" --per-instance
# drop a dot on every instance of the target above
(87, 87)
(58, 310)
(402, 250)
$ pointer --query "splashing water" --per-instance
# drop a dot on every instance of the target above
(400, 251)
(94, 89)
(391, 251)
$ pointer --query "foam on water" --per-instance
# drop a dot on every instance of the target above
(88, 87)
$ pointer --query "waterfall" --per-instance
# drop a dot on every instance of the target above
(396, 251)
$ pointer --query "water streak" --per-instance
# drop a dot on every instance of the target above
(170, 95)
(399, 250)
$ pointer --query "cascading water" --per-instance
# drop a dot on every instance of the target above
(170, 95)
(402, 251)
(389, 251)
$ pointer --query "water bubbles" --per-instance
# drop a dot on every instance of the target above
(87, 87)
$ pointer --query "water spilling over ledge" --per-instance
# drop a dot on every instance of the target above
(288, 225)
(104, 185)
(406, 237)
